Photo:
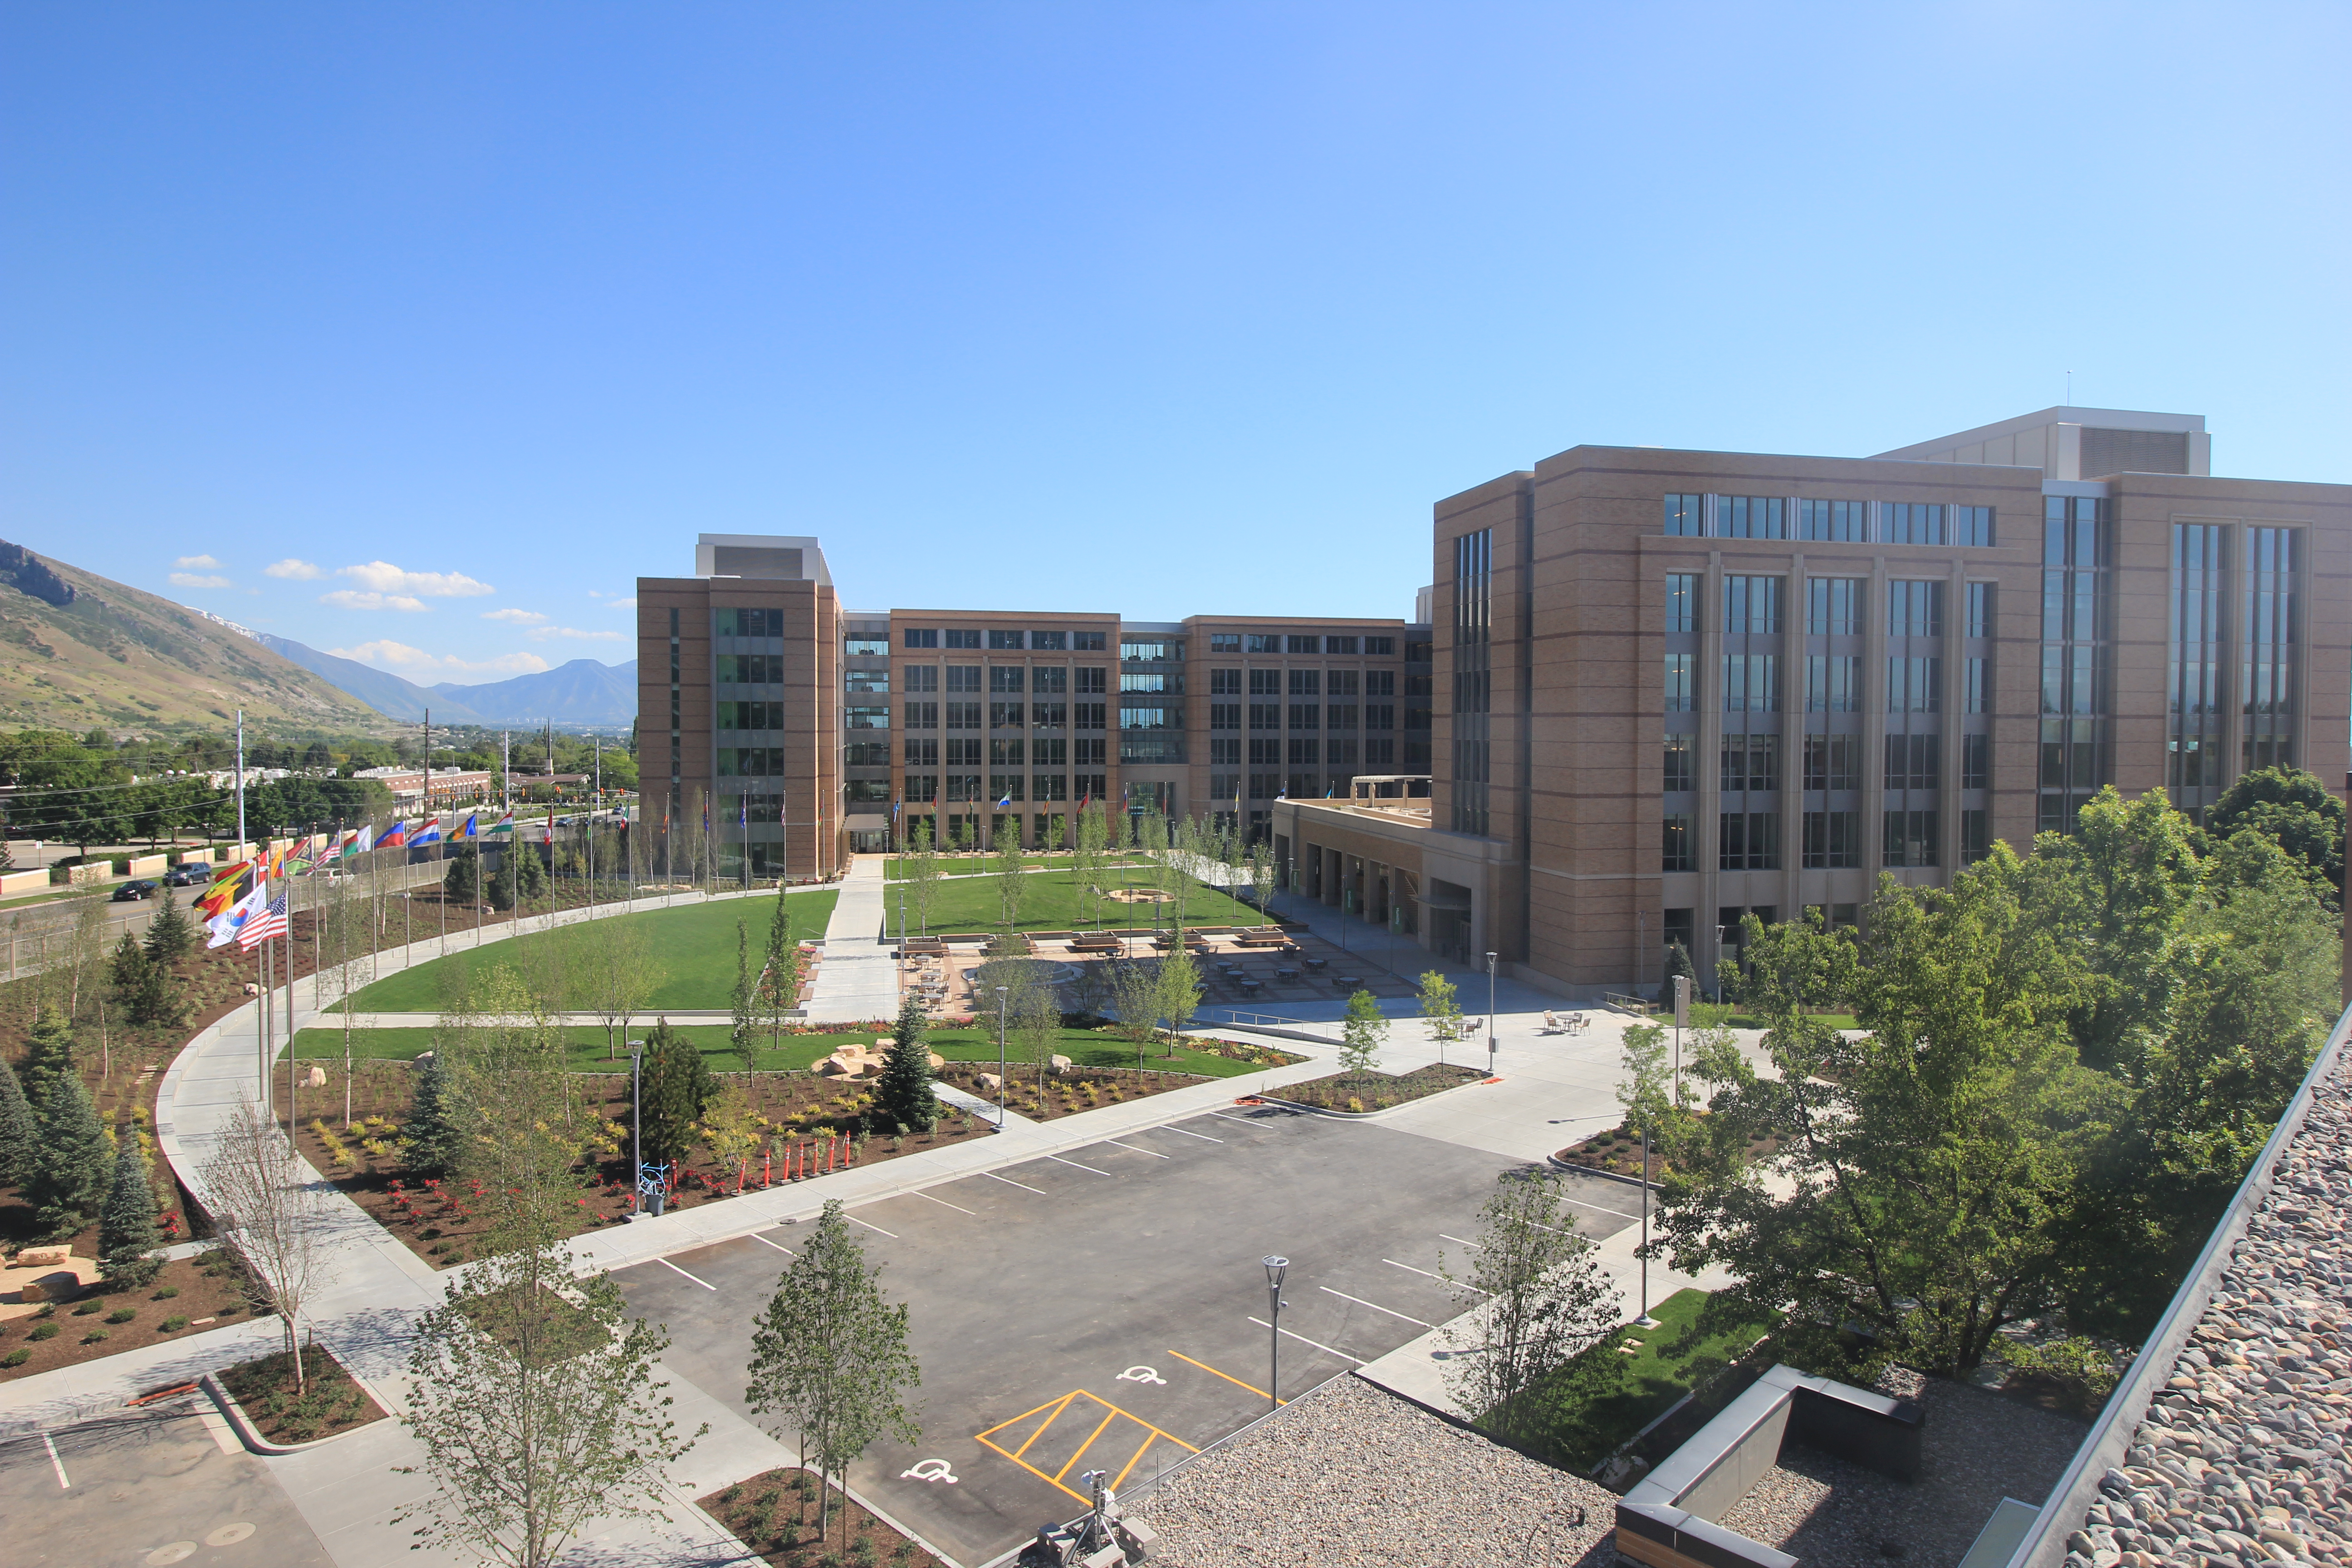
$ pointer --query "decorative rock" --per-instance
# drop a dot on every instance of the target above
(316, 1078)
(42, 1257)
(1060, 1065)
(990, 1083)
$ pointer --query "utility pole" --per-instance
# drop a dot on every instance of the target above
(440, 839)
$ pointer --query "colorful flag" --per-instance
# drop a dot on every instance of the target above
(303, 857)
(1005, 802)
(361, 840)
(271, 922)
(395, 837)
(427, 832)
(229, 884)
(503, 824)
(472, 828)
(225, 926)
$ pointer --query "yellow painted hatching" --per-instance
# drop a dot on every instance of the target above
(1052, 1410)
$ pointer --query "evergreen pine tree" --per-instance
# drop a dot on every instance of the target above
(156, 1001)
(501, 883)
(903, 1096)
(171, 935)
(529, 872)
(676, 1086)
(73, 1167)
(430, 1134)
(126, 1231)
(20, 1135)
(126, 972)
(462, 882)
(48, 1054)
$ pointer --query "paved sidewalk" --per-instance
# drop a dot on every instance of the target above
(858, 980)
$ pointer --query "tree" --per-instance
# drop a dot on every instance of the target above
(2293, 810)
(533, 1397)
(780, 971)
(1537, 1298)
(678, 1087)
(1135, 995)
(742, 1004)
(74, 1166)
(429, 1136)
(920, 864)
(20, 1134)
(519, 1126)
(1361, 1034)
(1087, 860)
(126, 1229)
(1178, 991)
(1443, 1007)
(1004, 866)
(143, 988)
(1036, 1018)
(48, 1054)
(271, 1216)
(903, 1096)
(462, 882)
(622, 976)
(830, 1356)
(171, 935)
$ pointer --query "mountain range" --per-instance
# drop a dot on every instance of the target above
(81, 652)
(582, 691)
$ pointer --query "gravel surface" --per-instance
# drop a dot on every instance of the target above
(1350, 1473)
(1977, 1447)
(2241, 1458)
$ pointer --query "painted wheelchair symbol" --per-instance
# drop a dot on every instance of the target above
(929, 1471)
(1142, 1374)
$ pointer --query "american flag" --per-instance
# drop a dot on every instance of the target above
(271, 924)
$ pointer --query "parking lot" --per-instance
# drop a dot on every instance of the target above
(147, 1490)
(1106, 1308)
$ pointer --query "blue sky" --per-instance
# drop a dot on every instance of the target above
(420, 332)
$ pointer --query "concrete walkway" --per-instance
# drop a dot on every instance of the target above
(858, 980)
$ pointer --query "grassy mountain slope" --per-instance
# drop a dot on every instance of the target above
(115, 658)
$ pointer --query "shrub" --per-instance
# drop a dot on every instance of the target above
(96, 1336)
(17, 1357)
(86, 1309)
(43, 1332)
(166, 1293)
(121, 1315)
(174, 1325)
(2084, 1370)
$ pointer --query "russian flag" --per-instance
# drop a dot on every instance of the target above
(395, 837)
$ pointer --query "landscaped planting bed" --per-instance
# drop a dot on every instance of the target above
(1069, 1092)
(1619, 1152)
(190, 1296)
(1362, 1093)
(329, 1402)
(774, 1514)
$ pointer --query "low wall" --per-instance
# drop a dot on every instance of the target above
(148, 865)
(14, 882)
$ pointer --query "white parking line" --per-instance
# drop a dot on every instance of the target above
(1302, 1339)
(1059, 1161)
(60, 1465)
(943, 1202)
(1375, 1306)
(1189, 1134)
(1471, 1245)
(875, 1228)
(1221, 1116)
(779, 1245)
(1154, 1153)
(1011, 1183)
(1425, 1274)
(674, 1269)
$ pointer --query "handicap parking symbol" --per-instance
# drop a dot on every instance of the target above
(929, 1471)
(1142, 1374)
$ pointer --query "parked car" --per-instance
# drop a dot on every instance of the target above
(131, 892)
(190, 875)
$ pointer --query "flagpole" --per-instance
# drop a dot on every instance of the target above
(260, 1040)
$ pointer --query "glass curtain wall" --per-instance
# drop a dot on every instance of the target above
(2076, 743)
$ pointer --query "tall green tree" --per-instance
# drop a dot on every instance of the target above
(462, 882)
(171, 935)
(2293, 810)
(742, 1004)
(830, 1356)
(74, 1167)
(903, 1096)
(49, 1055)
(1535, 1299)
(20, 1134)
(537, 1410)
(126, 1231)
(678, 1087)
(429, 1138)
(1363, 1033)
(1178, 991)
(1443, 1007)
(779, 992)
(1005, 868)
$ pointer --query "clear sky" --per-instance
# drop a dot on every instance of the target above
(420, 332)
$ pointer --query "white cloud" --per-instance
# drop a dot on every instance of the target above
(595, 592)
(383, 577)
(543, 633)
(352, 599)
(622, 604)
(402, 659)
(514, 617)
(197, 564)
(294, 569)
(197, 580)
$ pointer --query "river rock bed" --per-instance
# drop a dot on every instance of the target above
(2241, 1457)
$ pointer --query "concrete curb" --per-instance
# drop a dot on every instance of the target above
(251, 1435)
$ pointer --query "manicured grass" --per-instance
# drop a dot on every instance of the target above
(694, 945)
(1049, 902)
(1605, 1395)
(953, 865)
(1083, 1046)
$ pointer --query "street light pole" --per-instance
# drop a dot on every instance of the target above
(637, 1127)
(1001, 993)
(1490, 1014)
(1276, 1267)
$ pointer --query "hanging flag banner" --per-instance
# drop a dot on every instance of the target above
(225, 926)
(472, 828)
(271, 922)
(427, 832)
(504, 825)
(395, 837)
(229, 884)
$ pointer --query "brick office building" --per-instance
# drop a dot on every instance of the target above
(1678, 686)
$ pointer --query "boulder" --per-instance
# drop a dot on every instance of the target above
(938, 1061)
(31, 1291)
(850, 1062)
(42, 1257)
(990, 1083)
(1060, 1065)
(315, 1077)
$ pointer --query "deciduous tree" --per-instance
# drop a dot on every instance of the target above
(1536, 1297)
(271, 1215)
(1361, 1034)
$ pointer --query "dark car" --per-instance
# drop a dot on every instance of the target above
(130, 892)
(188, 876)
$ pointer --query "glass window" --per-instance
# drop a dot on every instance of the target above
(1974, 843)
(1682, 602)
(1976, 761)
(1262, 642)
(1833, 762)
(1914, 609)
(1840, 521)
(1149, 719)
(1679, 773)
(1976, 693)
(1225, 642)
(1225, 683)
(1914, 522)
(1914, 684)
(1151, 680)
(1750, 682)
(1683, 516)
(1833, 841)
(1054, 714)
(1748, 841)
(921, 637)
(1910, 839)
(1007, 715)
(1003, 640)
(1092, 679)
(962, 638)
(1971, 525)
(1913, 760)
(1750, 517)
(860, 716)
(1751, 606)
(1341, 683)
(1750, 763)
(861, 645)
(1342, 645)
(1006, 677)
(1049, 642)
(1979, 610)
(963, 677)
(1379, 647)
(1306, 715)
(1680, 697)
(1833, 683)
(1141, 651)
(1303, 644)
(1305, 683)
(868, 679)
(1680, 854)
(1224, 715)
(1087, 642)
(1007, 754)
(919, 677)
(922, 753)
(923, 715)
(1833, 606)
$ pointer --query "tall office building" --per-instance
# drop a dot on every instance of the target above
(1676, 686)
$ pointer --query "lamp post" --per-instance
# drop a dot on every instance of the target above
(637, 1126)
(1276, 1267)
(1001, 993)
(1718, 967)
(1490, 1014)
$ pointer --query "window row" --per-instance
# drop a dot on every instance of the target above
(1832, 840)
(999, 787)
(1751, 606)
(1837, 522)
(1830, 762)
(1305, 682)
(1302, 643)
(1004, 641)
(1004, 715)
(1751, 683)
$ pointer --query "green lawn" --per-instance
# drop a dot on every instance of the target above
(977, 865)
(1604, 1396)
(587, 1042)
(1049, 902)
(695, 946)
